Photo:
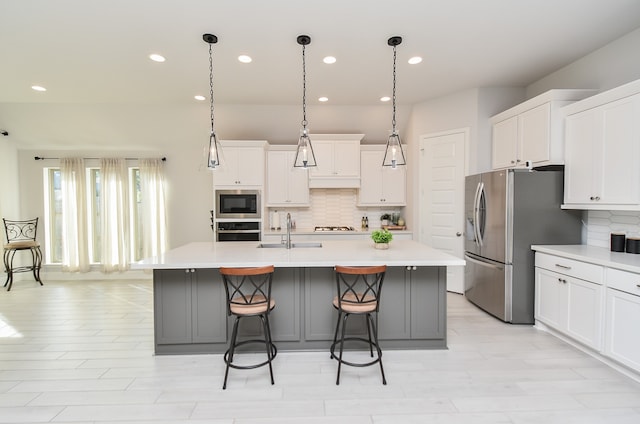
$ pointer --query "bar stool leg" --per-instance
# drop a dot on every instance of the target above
(375, 336)
(228, 356)
(344, 325)
(335, 335)
(267, 343)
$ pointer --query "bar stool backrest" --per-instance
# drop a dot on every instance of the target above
(20, 231)
(359, 287)
(248, 287)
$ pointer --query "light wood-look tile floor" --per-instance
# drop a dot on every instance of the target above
(82, 352)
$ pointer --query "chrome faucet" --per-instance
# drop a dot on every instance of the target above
(288, 230)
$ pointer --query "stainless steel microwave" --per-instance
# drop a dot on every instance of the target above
(237, 204)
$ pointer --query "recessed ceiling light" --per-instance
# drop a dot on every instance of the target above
(157, 57)
(329, 59)
(385, 99)
(323, 99)
(415, 60)
(244, 58)
(38, 88)
(199, 97)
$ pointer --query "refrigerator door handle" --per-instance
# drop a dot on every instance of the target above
(477, 226)
(483, 263)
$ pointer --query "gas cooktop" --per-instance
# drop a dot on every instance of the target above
(331, 228)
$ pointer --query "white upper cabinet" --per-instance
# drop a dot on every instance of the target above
(286, 185)
(603, 150)
(338, 160)
(241, 164)
(380, 185)
(532, 131)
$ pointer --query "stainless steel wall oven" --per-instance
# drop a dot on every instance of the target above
(238, 231)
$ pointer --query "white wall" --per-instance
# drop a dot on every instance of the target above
(610, 66)
(9, 181)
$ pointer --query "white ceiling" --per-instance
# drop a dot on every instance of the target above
(93, 57)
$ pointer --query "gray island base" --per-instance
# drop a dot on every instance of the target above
(190, 306)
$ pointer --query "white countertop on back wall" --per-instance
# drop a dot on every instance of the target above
(593, 254)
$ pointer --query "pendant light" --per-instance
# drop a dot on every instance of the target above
(213, 159)
(304, 153)
(393, 154)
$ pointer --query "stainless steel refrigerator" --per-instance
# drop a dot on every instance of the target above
(505, 213)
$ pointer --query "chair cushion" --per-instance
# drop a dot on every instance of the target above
(256, 307)
(351, 305)
(26, 244)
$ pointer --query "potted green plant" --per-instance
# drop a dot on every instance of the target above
(381, 238)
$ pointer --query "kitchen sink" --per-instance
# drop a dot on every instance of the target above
(284, 246)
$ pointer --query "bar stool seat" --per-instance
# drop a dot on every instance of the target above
(359, 290)
(21, 236)
(248, 293)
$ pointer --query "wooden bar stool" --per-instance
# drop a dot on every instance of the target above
(21, 236)
(249, 295)
(359, 291)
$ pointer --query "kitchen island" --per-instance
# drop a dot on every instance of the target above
(190, 305)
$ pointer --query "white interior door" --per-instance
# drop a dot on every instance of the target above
(441, 191)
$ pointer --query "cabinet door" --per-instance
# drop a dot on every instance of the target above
(250, 166)
(394, 321)
(371, 178)
(208, 307)
(620, 182)
(277, 173)
(622, 340)
(346, 158)
(172, 304)
(428, 302)
(584, 310)
(286, 317)
(394, 183)
(504, 146)
(551, 299)
(323, 151)
(535, 136)
(581, 157)
(286, 185)
(227, 173)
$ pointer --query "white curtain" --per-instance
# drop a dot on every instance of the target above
(153, 213)
(75, 249)
(115, 215)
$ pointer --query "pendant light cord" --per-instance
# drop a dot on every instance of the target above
(304, 89)
(393, 119)
(211, 85)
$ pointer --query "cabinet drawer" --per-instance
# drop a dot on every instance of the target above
(570, 267)
(625, 281)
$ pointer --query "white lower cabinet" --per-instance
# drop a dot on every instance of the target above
(570, 305)
(622, 335)
(601, 313)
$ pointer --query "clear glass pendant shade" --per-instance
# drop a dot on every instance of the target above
(393, 154)
(305, 157)
(213, 160)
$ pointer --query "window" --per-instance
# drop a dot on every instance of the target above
(53, 220)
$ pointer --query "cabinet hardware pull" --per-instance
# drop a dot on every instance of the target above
(638, 286)
(563, 266)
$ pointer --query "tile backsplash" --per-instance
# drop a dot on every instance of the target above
(335, 206)
(600, 225)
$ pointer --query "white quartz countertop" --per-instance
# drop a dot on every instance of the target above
(311, 231)
(593, 254)
(339, 252)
